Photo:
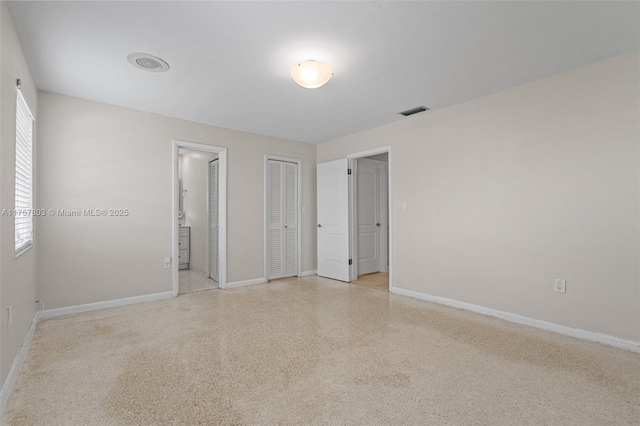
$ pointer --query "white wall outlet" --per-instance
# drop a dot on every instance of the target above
(560, 286)
(167, 262)
(9, 316)
(405, 207)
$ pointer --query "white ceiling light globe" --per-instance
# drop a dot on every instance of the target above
(311, 74)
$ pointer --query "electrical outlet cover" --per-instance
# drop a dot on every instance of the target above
(560, 286)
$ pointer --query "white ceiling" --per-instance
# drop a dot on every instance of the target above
(230, 60)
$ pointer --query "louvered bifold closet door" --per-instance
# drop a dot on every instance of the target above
(275, 213)
(290, 219)
(283, 219)
(214, 217)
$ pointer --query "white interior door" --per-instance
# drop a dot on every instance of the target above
(214, 218)
(333, 220)
(282, 219)
(368, 220)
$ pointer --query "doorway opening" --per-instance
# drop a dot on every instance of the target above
(199, 217)
(354, 242)
(370, 221)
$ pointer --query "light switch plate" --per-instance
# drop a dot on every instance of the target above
(560, 286)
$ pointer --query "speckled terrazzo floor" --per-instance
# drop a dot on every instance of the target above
(315, 351)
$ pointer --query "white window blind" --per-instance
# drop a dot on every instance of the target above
(24, 175)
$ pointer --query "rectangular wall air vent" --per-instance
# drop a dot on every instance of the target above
(415, 110)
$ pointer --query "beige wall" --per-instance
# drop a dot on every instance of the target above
(194, 172)
(509, 191)
(95, 155)
(17, 275)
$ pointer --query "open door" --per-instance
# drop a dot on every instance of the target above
(333, 220)
(368, 224)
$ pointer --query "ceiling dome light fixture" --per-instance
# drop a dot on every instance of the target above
(147, 62)
(311, 74)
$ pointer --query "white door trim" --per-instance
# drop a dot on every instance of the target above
(353, 254)
(222, 213)
(297, 161)
(353, 218)
(384, 218)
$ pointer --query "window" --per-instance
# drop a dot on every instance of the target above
(24, 176)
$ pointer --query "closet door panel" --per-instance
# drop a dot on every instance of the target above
(282, 219)
(290, 219)
(275, 219)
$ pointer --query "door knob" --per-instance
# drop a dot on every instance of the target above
(319, 226)
(377, 224)
(285, 227)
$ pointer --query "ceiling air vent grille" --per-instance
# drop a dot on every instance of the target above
(415, 110)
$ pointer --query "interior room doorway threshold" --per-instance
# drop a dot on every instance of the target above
(377, 280)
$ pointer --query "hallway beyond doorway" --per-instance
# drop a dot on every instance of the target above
(192, 280)
(377, 280)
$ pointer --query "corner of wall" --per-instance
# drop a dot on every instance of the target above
(17, 275)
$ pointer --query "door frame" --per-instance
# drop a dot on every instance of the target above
(297, 161)
(222, 208)
(353, 230)
(210, 159)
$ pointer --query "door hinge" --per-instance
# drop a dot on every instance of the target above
(350, 261)
(348, 171)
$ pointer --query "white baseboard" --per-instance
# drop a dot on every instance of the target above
(519, 319)
(309, 273)
(244, 283)
(7, 389)
(52, 313)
